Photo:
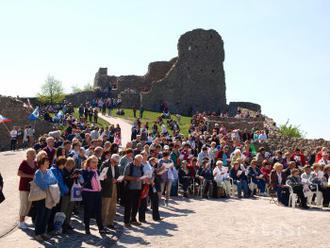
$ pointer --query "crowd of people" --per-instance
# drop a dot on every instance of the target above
(86, 167)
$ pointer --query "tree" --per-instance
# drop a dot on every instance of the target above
(86, 87)
(76, 89)
(289, 130)
(51, 91)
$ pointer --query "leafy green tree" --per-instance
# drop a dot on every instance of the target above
(51, 91)
(289, 130)
(76, 89)
(86, 87)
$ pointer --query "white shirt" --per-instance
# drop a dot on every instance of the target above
(147, 170)
(279, 177)
(217, 173)
(94, 134)
(13, 134)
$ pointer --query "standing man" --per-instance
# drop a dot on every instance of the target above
(141, 111)
(124, 161)
(49, 149)
(133, 172)
(109, 174)
(13, 138)
(134, 112)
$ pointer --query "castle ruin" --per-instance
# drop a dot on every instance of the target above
(192, 82)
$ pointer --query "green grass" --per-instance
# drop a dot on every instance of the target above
(100, 121)
(151, 117)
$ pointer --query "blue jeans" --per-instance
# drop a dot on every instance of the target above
(174, 188)
(261, 184)
(242, 185)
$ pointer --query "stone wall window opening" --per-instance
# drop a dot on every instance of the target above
(114, 86)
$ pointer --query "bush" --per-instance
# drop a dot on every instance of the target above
(292, 131)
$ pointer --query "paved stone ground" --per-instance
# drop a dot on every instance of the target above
(187, 223)
(9, 208)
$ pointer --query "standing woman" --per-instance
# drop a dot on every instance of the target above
(26, 173)
(91, 194)
(154, 189)
(43, 178)
(57, 170)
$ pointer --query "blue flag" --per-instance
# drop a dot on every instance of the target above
(34, 115)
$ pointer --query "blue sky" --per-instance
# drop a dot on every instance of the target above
(277, 52)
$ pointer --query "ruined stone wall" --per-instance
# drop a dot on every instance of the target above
(102, 80)
(75, 98)
(236, 123)
(196, 83)
(80, 97)
(233, 107)
(278, 142)
(130, 82)
(13, 109)
(130, 98)
(158, 70)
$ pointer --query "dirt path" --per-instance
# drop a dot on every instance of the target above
(125, 125)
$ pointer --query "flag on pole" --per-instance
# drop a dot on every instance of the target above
(4, 119)
(34, 115)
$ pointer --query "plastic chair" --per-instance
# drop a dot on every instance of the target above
(252, 186)
(318, 194)
(233, 187)
(293, 197)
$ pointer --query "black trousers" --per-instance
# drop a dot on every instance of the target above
(298, 189)
(53, 211)
(13, 144)
(154, 204)
(42, 217)
(121, 193)
(92, 207)
(142, 209)
(185, 182)
(326, 196)
(131, 205)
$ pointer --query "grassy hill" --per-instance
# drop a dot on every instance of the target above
(151, 117)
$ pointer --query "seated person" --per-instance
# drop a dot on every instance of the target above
(184, 178)
(206, 176)
(221, 177)
(255, 176)
(325, 188)
(240, 180)
(277, 184)
(294, 181)
(265, 170)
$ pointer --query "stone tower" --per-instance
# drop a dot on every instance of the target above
(196, 82)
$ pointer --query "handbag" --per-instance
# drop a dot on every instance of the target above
(36, 193)
(76, 192)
